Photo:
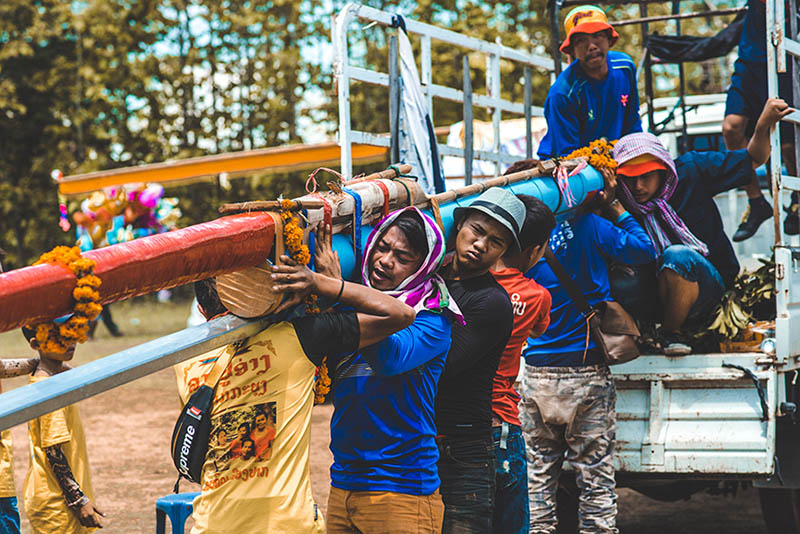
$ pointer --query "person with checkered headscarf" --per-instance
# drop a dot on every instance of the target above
(674, 202)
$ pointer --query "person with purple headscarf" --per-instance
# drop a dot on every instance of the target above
(674, 201)
(384, 476)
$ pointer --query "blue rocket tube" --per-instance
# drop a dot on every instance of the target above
(583, 185)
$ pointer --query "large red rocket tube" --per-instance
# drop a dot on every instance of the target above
(44, 292)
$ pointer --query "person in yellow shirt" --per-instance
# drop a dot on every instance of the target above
(9, 514)
(265, 397)
(58, 495)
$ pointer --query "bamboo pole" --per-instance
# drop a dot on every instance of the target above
(269, 205)
(387, 174)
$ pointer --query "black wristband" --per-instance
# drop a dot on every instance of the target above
(341, 290)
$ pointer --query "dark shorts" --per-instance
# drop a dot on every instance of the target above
(636, 287)
(747, 94)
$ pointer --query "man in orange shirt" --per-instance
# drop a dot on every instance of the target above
(531, 306)
(262, 435)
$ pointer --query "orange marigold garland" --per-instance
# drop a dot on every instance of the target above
(598, 154)
(298, 251)
(58, 338)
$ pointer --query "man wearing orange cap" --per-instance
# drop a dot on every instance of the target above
(595, 96)
(675, 203)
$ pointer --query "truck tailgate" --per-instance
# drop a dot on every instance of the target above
(692, 415)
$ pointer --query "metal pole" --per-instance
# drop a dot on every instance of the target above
(342, 88)
(795, 64)
(774, 139)
(683, 146)
(88, 380)
(555, 39)
(467, 123)
(648, 72)
(568, 3)
(528, 128)
(678, 16)
(394, 99)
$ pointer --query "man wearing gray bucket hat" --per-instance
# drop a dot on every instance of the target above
(484, 231)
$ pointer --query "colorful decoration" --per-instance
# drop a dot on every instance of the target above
(58, 338)
(121, 214)
(63, 220)
(298, 251)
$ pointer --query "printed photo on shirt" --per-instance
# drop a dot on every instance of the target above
(242, 436)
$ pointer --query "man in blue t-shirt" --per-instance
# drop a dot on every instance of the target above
(384, 475)
(568, 395)
(596, 95)
(747, 96)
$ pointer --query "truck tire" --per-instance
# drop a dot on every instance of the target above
(781, 510)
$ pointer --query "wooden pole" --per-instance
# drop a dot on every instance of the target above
(269, 205)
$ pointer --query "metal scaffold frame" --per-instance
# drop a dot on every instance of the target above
(345, 72)
(787, 259)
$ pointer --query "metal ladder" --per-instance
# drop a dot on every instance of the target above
(787, 259)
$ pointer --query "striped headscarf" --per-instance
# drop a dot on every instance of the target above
(423, 290)
(660, 220)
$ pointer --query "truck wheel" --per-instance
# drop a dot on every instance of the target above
(781, 510)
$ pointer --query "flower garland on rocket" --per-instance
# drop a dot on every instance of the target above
(58, 338)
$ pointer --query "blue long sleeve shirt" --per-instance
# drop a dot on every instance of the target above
(383, 431)
(580, 109)
(582, 246)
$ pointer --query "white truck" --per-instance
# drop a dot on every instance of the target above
(685, 424)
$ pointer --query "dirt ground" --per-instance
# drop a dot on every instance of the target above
(128, 431)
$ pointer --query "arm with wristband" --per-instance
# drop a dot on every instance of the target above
(379, 315)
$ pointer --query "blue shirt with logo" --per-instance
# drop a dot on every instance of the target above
(383, 430)
(580, 109)
(582, 246)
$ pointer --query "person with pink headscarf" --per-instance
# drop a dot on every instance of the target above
(384, 476)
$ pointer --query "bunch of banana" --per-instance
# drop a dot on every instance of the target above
(757, 291)
(730, 319)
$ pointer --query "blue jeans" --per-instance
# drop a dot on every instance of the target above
(467, 472)
(511, 513)
(635, 287)
(9, 516)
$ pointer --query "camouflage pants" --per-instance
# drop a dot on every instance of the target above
(570, 412)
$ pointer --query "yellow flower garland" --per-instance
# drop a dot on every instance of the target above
(58, 338)
(598, 154)
(298, 251)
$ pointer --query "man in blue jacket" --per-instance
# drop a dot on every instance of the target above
(384, 475)
(596, 95)
(568, 396)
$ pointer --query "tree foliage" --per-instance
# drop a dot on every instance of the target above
(101, 84)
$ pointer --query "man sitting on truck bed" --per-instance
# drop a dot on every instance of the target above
(596, 95)
(675, 202)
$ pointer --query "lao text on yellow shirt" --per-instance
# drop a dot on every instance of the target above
(256, 477)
